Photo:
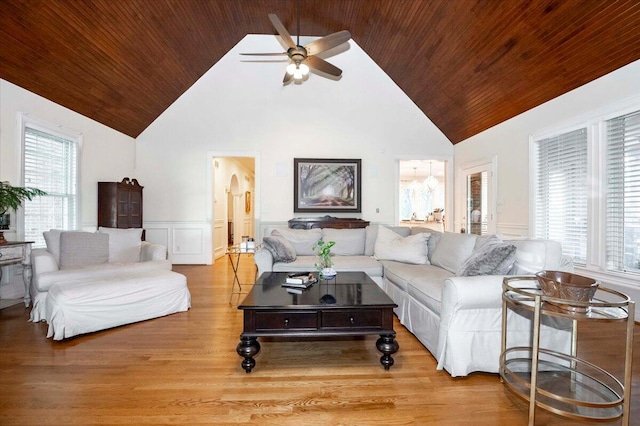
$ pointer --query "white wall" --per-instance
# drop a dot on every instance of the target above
(240, 105)
(106, 155)
(509, 142)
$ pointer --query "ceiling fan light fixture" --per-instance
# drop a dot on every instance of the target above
(291, 68)
(304, 69)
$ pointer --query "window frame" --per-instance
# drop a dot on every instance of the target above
(595, 124)
(26, 121)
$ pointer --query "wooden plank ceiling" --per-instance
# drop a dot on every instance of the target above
(467, 64)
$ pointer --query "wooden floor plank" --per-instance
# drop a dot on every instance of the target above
(183, 369)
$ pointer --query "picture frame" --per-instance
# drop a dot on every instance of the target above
(247, 202)
(323, 185)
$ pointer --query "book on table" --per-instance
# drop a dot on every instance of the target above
(299, 280)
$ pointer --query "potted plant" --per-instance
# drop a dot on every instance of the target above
(324, 264)
(12, 197)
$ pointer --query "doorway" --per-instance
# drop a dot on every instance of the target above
(422, 193)
(233, 200)
(479, 200)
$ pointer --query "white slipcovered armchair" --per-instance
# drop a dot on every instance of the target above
(73, 256)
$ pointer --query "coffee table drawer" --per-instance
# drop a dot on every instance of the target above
(286, 321)
(366, 318)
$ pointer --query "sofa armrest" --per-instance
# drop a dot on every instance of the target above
(151, 251)
(42, 261)
(478, 292)
(264, 260)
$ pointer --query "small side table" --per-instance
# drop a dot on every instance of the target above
(235, 253)
(14, 252)
(563, 383)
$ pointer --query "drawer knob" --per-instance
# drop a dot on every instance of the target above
(286, 322)
(352, 320)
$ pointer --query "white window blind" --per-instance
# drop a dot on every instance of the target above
(561, 192)
(50, 164)
(623, 193)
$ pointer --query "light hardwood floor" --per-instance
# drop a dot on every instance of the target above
(183, 369)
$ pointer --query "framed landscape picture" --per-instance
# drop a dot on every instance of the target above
(326, 185)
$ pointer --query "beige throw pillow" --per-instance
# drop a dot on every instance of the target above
(78, 249)
(411, 249)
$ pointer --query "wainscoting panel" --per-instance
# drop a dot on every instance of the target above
(512, 230)
(187, 242)
(220, 238)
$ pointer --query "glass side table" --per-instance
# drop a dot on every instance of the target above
(563, 383)
(235, 253)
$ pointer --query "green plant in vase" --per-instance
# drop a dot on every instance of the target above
(12, 197)
(325, 263)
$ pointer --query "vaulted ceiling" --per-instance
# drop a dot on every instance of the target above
(467, 64)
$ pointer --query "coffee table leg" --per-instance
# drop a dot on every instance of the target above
(387, 345)
(248, 348)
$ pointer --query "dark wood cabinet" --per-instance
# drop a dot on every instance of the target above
(120, 204)
(327, 222)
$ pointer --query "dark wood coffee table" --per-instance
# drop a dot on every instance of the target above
(360, 308)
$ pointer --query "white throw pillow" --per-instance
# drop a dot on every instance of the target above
(124, 244)
(391, 246)
(452, 250)
(52, 239)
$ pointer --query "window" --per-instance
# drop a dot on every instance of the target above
(49, 163)
(586, 192)
(561, 191)
(623, 193)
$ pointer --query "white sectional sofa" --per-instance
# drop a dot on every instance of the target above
(84, 282)
(457, 318)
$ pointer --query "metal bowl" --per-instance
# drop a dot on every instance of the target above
(569, 287)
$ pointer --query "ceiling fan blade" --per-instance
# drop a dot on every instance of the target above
(323, 66)
(287, 78)
(286, 37)
(327, 42)
(264, 54)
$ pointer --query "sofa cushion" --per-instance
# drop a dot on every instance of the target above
(44, 281)
(124, 244)
(491, 258)
(79, 249)
(410, 249)
(366, 264)
(349, 242)
(452, 250)
(281, 249)
(427, 288)
(301, 239)
(534, 255)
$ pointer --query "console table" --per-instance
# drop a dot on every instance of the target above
(14, 252)
(327, 222)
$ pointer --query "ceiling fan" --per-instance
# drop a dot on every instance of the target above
(302, 58)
